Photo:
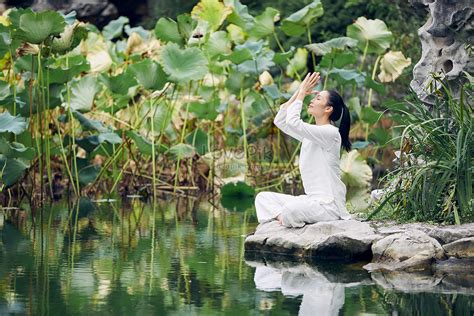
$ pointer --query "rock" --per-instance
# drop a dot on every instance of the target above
(451, 233)
(462, 248)
(341, 239)
(443, 41)
(407, 251)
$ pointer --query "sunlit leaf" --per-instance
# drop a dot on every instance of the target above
(212, 11)
(373, 33)
(297, 63)
(356, 173)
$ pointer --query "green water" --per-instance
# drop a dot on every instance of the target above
(182, 257)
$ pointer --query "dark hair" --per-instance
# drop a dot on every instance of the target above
(338, 105)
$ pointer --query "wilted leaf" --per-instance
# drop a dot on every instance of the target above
(339, 43)
(392, 65)
(212, 11)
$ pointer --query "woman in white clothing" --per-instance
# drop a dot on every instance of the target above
(325, 193)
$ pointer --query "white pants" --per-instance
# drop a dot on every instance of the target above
(295, 211)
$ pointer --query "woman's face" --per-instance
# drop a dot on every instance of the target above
(318, 106)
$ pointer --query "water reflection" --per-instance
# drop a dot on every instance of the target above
(180, 256)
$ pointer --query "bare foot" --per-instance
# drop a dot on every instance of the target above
(279, 219)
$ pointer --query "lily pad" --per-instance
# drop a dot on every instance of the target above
(339, 43)
(35, 27)
(12, 124)
(264, 24)
(373, 33)
(166, 30)
(83, 92)
(181, 151)
(356, 173)
(149, 74)
(237, 189)
(296, 24)
(15, 150)
(183, 65)
(11, 170)
(114, 28)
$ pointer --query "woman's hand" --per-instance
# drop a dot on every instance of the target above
(308, 84)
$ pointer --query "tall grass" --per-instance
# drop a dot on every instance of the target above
(433, 181)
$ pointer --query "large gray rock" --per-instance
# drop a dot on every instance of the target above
(443, 40)
(409, 250)
(341, 239)
(462, 248)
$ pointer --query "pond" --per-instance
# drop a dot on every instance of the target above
(180, 256)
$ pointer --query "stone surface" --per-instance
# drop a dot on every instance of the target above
(449, 27)
(411, 247)
(342, 239)
(462, 248)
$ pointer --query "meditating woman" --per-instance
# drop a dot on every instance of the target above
(325, 193)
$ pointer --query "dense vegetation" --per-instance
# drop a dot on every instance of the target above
(184, 106)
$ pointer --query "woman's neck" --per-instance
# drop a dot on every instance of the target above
(322, 121)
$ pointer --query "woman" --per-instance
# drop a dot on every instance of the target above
(325, 193)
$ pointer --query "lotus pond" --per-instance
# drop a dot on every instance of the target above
(181, 256)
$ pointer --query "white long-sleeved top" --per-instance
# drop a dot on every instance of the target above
(319, 161)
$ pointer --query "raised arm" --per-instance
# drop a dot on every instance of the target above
(324, 135)
(280, 118)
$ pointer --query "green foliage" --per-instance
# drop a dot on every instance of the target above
(434, 179)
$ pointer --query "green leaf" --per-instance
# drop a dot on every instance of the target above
(110, 137)
(149, 74)
(183, 65)
(166, 30)
(89, 124)
(11, 170)
(346, 75)
(88, 174)
(264, 24)
(339, 43)
(121, 83)
(369, 115)
(377, 86)
(65, 68)
(237, 189)
(181, 151)
(114, 28)
(83, 92)
(218, 44)
(297, 63)
(36, 27)
(198, 138)
(373, 33)
(296, 24)
(12, 124)
(145, 146)
(206, 110)
(338, 59)
(15, 150)
(282, 58)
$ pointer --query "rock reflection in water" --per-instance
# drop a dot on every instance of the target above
(321, 294)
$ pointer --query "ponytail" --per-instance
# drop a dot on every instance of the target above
(341, 116)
